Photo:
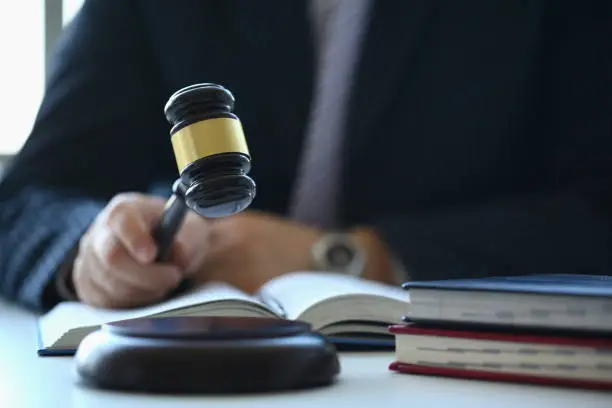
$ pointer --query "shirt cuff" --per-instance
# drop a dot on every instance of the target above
(64, 284)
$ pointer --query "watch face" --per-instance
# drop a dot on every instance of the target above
(338, 253)
(339, 256)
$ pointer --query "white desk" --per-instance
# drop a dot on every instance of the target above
(28, 381)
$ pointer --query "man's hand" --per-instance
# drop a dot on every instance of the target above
(248, 249)
(115, 265)
(251, 248)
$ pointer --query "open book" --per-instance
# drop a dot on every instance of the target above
(346, 309)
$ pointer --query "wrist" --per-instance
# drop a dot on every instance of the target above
(340, 252)
(378, 265)
(358, 252)
(64, 284)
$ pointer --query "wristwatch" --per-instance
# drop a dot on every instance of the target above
(338, 252)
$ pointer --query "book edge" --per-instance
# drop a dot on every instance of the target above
(458, 286)
(507, 337)
(49, 351)
(457, 373)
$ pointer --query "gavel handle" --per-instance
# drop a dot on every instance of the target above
(168, 225)
(165, 231)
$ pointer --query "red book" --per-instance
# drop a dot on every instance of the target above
(572, 361)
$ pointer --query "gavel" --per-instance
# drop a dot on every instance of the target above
(212, 156)
(205, 354)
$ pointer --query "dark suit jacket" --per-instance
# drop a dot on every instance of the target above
(479, 138)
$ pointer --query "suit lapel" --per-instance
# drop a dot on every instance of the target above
(395, 35)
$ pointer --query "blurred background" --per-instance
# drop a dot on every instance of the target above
(28, 31)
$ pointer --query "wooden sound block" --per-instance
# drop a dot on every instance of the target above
(206, 355)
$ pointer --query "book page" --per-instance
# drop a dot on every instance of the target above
(298, 291)
(70, 315)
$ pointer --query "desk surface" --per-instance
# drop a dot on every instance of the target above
(27, 380)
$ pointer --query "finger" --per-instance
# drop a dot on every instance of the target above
(86, 287)
(156, 279)
(106, 248)
(131, 229)
(118, 289)
(186, 256)
(96, 295)
(149, 206)
(114, 262)
(191, 244)
(121, 270)
(102, 296)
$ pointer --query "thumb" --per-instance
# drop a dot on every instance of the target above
(187, 257)
(191, 244)
(151, 209)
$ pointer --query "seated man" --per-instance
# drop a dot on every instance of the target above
(429, 139)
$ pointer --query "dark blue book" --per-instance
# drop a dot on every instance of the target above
(564, 302)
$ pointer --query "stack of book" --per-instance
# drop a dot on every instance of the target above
(544, 329)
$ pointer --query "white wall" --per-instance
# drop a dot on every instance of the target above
(23, 25)
(22, 71)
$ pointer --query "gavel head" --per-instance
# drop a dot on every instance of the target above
(210, 150)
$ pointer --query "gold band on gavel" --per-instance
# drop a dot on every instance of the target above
(206, 138)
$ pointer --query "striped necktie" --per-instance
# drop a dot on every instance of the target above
(318, 185)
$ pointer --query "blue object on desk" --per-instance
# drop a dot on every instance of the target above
(558, 284)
